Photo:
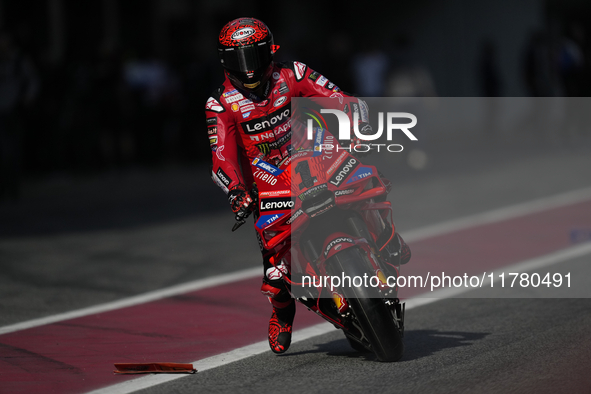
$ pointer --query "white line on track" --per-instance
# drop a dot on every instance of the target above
(139, 299)
(500, 214)
(325, 328)
(450, 226)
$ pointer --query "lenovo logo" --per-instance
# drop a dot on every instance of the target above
(266, 123)
(344, 172)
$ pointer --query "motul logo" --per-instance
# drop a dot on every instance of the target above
(341, 175)
(276, 203)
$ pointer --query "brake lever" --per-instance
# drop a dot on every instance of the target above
(238, 224)
(240, 220)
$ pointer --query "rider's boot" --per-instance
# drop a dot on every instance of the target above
(280, 327)
(282, 317)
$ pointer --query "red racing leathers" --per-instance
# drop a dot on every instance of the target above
(241, 128)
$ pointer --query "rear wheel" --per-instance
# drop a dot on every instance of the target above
(371, 313)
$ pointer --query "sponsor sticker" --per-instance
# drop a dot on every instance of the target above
(242, 33)
(344, 171)
(273, 204)
(280, 101)
(275, 193)
(322, 80)
(230, 93)
(263, 165)
(335, 242)
(224, 178)
(329, 85)
(245, 115)
(264, 148)
(244, 102)
(344, 192)
(318, 142)
(293, 217)
(337, 163)
(314, 75)
(219, 182)
(283, 88)
(264, 177)
(211, 121)
(249, 107)
(268, 122)
(266, 220)
(212, 130)
(321, 211)
(213, 140)
(362, 172)
(235, 107)
(233, 99)
(313, 191)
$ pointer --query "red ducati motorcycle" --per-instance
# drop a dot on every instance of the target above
(325, 215)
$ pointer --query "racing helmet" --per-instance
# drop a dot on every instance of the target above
(246, 49)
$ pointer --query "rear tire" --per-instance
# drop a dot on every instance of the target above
(374, 317)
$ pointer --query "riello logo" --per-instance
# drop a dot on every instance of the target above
(345, 130)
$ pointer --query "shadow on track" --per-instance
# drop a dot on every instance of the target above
(417, 344)
(108, 201)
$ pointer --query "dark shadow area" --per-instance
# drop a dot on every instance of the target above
(424, 343)
(111, 201)
(417, 344)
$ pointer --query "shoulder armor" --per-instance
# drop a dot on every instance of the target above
(299, 69)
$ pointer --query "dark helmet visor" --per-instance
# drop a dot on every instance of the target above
(247, 58)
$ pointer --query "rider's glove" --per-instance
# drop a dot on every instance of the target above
(240, 201)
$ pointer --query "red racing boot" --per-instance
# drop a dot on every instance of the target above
(280, 327)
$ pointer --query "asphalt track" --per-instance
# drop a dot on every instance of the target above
(452, 345)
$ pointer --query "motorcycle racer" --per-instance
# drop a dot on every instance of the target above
(249, 118)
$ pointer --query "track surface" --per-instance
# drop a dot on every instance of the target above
(491, 345)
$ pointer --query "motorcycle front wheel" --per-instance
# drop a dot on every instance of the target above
(369, 308)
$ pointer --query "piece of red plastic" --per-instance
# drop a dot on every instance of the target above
(136, 368)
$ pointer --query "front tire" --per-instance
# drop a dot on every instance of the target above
(372, 314)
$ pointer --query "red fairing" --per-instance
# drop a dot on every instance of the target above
(241, 127)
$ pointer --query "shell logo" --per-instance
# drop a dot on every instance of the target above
(339, 301)
(381, 277)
